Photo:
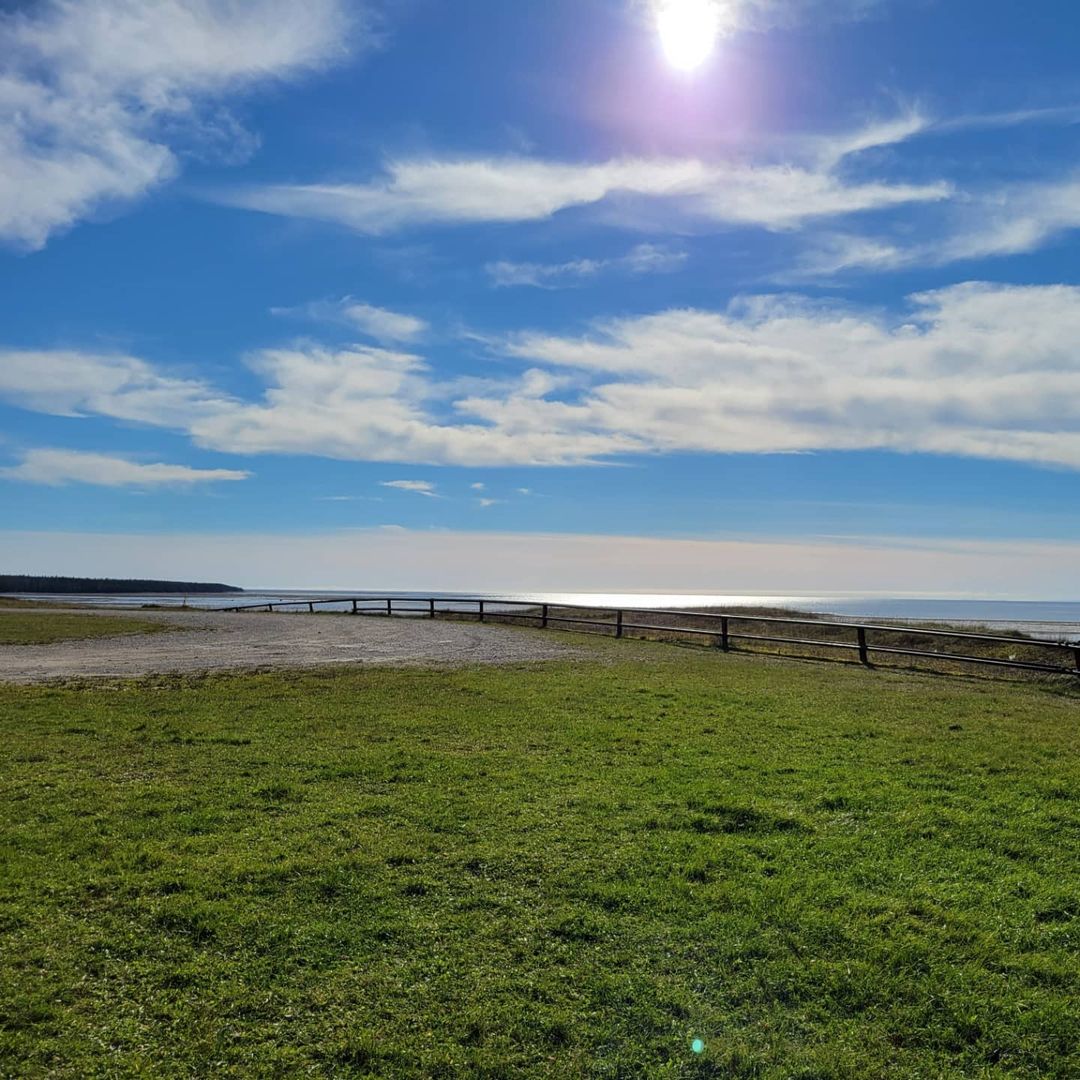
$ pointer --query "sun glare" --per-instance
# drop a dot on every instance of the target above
(688, 30)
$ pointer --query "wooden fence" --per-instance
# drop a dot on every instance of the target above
(722, 629)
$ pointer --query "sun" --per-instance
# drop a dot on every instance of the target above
(688, 30)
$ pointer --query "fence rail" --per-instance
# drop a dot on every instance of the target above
(718, 627)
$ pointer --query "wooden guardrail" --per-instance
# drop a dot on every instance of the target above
(722, 628)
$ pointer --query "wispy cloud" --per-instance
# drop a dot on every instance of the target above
(88, 88)
(830, 150)
(984, 221)
(417, 487)
(380, 323)
(917, 123)
(642, 259)
(60, 467)
(1054, 115)
(1012, 220)
(517, 189)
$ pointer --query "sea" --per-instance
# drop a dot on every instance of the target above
(1052, 620)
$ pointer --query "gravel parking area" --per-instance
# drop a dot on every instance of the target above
(217, 641)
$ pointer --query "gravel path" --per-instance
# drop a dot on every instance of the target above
(201, 641)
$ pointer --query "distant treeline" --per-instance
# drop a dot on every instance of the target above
(28, 583)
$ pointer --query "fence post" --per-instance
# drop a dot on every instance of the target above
(431, 609)
(725, 639)
(481, 606)
(354, 607)
(544, 616)
(864, 656)
(618, 623)
(311, 607)
(1076, 656)
(389, 606)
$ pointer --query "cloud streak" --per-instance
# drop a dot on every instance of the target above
(417, 487)
(463, 191)
(1012, 220)
(379, 323)
(642, 259)
(57, 468)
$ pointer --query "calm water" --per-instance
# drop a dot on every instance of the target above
(1051, 619)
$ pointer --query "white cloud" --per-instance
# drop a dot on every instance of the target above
(58, 467)
(89, 87)
(831, 150)
(980, 370)
(477, 487)
(379, 405)
(1013, 220)
(383, 325)
(642, 259)
(485, 503)
(505, 274)
(354, 404)
(418, 487)
(977, 370)
(71, 383)
(831, 254)
(517, 189)
(403, 559)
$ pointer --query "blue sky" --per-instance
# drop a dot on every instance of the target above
(458, 272)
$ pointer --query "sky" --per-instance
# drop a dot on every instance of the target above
(702, 295)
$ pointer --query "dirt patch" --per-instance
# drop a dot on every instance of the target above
(215, 641)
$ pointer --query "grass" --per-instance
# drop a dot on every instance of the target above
(559, 870)
(31, 627)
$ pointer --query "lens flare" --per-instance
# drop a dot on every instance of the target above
(688, 30)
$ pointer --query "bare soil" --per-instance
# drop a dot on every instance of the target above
(214, 641)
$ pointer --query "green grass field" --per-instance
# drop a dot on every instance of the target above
(43, 627)
(559, 870)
